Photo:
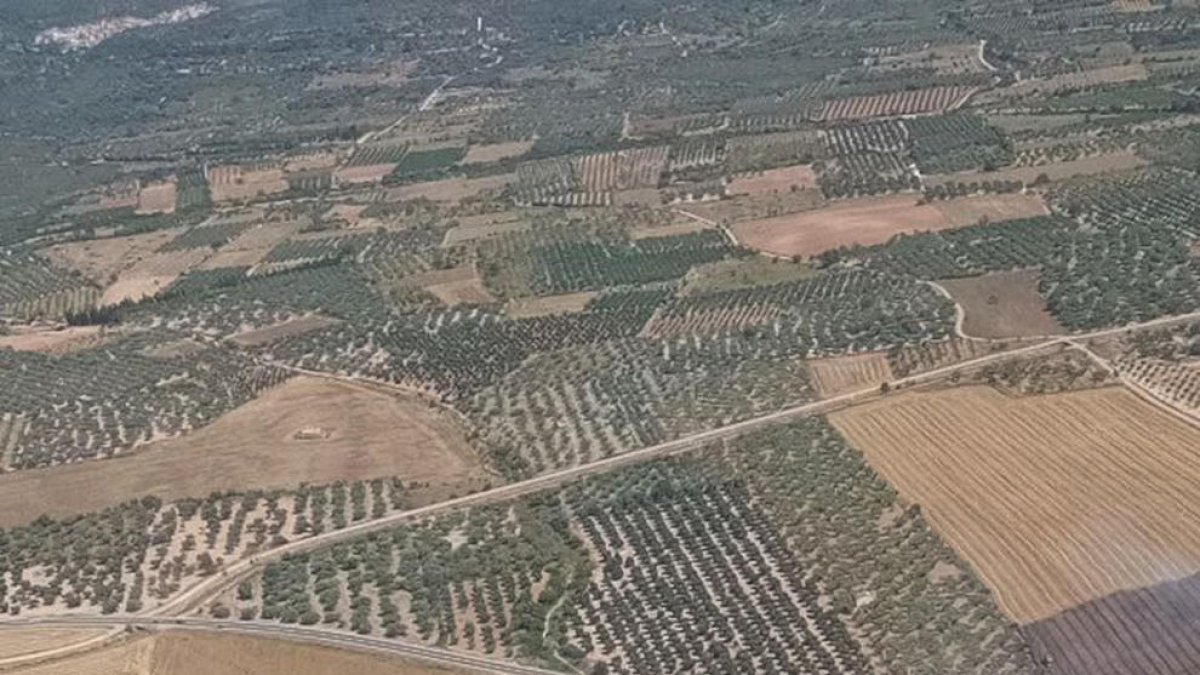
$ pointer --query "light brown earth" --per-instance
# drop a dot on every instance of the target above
(238, 183)
(472, 228)
(101, 259)
(1003, 305)
(844, 374)
(186, 653)
(1054, 500)
(754, 208)
(21, 641)
(875, 220)
(251, 246)
(457, 286)
(683, 226)
(482, 154)
(773, 181)
(453, 189)
(311, 161)
(1133, 72)
(357, 175)
(569, 303)
(56, 339)
(292, 327)
(1055, 171)
(157, 197)
(153, 274)
(372, 433)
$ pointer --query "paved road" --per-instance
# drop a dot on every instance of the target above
(306, 634)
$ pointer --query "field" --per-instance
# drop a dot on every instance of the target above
(153, 274)
(1055, 171)
(1070, 82)
(773, 181)
(1039, 494)
(185, 653)
(54, 341)
(549, 305)
(252, 245)
(922, 101)
(991, 208)
(238, 183)
(727, 275)
(452, 189)
(18, 642)
(101, 260)
(309, 429)
(844, 374)
(496, 152)
(160, 197)
(863, 222)
(1002, 305)
(473, 228)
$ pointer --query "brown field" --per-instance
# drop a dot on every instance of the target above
(358, 175)
(55, 340)
(1133, 72)
(1054, 500)
(844, 374)
(453, 189)
(457, 286)
(773, 181)
(473, 228)
(157, 197)
(993, 208)
(370, 433)
(622, 169)
(237, 183)
(311, 161)
(152, 274)
(865, 222)
(286, 329)
(761, 206)
(734, 273)
(188, 653)
(102, 259)
(252, 245)
(1055, 171)
(685, 226)
(569, 303)
(484, 154)
(16, 642)
(1003, 305)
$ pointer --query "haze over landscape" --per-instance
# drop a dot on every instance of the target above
(554, 336)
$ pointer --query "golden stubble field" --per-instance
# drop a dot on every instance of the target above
(309, 429)
(1055, 500)
(186, 653)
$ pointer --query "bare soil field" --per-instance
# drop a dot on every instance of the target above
(683, 226)
(457, 286)
(474, 228)
(485, 154)
(102, 259)
(291, 328)
(993, 208)
(152, 274)
(761, 206)
(55, 340)
(1003, 305)
(1055, 500)
(1055, 171)
(865, 222)
(188, 653)
(734, 273)
(311, 161)
(365, 432)
(250, 247)
(237, 183)
(453, 189)
(844, 374)
(21, 641)
(157, 197)
(358, 175)
(569, 303)
(773, 181)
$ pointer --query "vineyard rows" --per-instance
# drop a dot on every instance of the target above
(30, 287)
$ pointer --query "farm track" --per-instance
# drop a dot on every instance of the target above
(191, 599)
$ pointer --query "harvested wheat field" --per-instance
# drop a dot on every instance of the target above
(1003, 305)
(195, 653)
(548, 305)
(452, 189)
(285, 329)
(483, 154)
(773, 181)
(309, 429)
(1055, 171)
(157, 197)
(56, 340)
(844, 374)
(455, 286)
(152, 274)
(992, 208)
(102, 259)
(1055, 500)
(17, 642)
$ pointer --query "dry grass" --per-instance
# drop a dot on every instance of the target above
(152, 274)
(993, 208)
(372, 433)
(21, 641)
(239, 183)
(1055, 500)
(483, 154)
(56, 340)
(250, 247)
(773, 181)
(157, 197)
(280, 331)
(684, 226)
(1055, 171)
(358, 175)
(102, 259)
(473, 228)
(569, 303)
(457, 286)
(1003, 305)
(452, 189)
(727, 275)
(1133, 72)
(843, 374)
(185, 653)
